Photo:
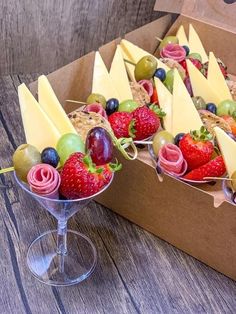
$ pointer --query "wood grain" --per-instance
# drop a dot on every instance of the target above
(45, 35)
(136, 271)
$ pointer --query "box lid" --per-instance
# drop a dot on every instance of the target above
(216, 12)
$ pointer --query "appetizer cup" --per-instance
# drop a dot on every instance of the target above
(61, 257)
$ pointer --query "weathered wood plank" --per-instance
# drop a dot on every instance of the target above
(45, 35)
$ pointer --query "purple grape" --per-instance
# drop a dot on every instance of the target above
(99, 146)
(188, 85)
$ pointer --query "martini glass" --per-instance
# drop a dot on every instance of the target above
(61, 257)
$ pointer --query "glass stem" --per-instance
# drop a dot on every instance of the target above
(62, 237)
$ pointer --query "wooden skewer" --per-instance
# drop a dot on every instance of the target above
(217, 178)
(143, 142)
(5, 170)
(130, 62)
(159, 39)
(76, 101)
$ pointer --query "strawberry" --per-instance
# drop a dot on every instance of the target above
(196, 62)
(146, 121)
(121, 124)
(154, 97)
(81, 178)
(214, 168)
(197, 148)
(222, 66)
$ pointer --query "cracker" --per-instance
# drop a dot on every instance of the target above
(83, 122)
(210, 120)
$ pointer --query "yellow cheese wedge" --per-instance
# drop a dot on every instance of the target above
(216, 79)
(181, 35)
(133, 54)
(39, 129)
(51, 106)
(119, 76)
(102, 83)
(200, 85)
(165, 101)
(185, 116)
(129, 67)
(228, 149)
(195, 44)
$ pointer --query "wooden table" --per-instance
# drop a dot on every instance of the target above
(136, 271)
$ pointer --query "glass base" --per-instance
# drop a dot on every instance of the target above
(61, 270)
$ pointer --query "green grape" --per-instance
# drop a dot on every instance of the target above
(195, 55)
(169, 80)
(96, 98)
(68, 144)
(226, 107)
(168, 40)
(233, 182)
(160, 139)
(128, 105)
(145, 68)
(24, 158)
(199, 102)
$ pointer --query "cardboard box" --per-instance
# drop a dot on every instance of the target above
(196, 219)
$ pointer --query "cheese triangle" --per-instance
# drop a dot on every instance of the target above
(39, 129)
(51, 106)
(216, 79)
(165, 100)
(119, 76)
(181, 35)
(228, 150)
(200, 85)
(102, 83)
(185, 116)
(195, 44)
(133, 54)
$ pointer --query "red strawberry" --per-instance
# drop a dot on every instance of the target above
(80, 178)
(146, 122)
(121, 124)
(197, 148)
(214, 168)
(222, 66)
(154, 97)
(196, 62)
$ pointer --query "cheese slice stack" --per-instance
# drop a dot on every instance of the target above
(201, 86)
(133, 54)
(119, 76)
(195, 44)
(181, 35)
(102, 83)
(185, 116)
(228, 150)
(39, 129)
(51, 106)
(216, 79)
(165, 101)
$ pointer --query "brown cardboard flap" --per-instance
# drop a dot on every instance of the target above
(215, 12)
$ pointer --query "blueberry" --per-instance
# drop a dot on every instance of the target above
(112, 106)
(178, 138)
(161, 74)
(211, 107)
(187, 50)
(50, 156)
